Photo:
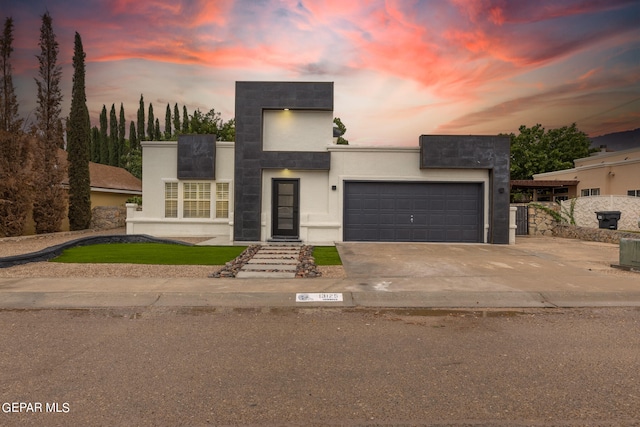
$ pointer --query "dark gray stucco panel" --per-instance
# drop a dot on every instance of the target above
(252, 98)
(476, 152)
(196, 156)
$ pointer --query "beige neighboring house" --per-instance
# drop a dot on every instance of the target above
(605, 182)
(602, 174)
(110, 186)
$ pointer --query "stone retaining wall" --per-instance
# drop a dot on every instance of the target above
(541, 223)
(586, 207)
(108, 217)
(592, 234)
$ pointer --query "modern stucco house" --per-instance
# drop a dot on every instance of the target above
(284, 179)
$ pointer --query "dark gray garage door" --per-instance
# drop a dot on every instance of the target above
(413, 212)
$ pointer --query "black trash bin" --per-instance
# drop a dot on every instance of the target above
(608, 219)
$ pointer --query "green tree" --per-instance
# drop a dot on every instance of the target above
(9, 119)
(122, 125)
(176, 120)
(78, 150)
(133, 136)
(212, 123)
(113, 137)
(134, 154)
(343, 129)
(151, 121)
(156, 132)
(535, 150)
(95, 144)
(167, 123)
(185, 120)
(140, 124)
(104, 138)
(49, 198)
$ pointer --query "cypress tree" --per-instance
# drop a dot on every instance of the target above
(9, 120)
(50, 199)
(122, 124)
(185, 120)
(78, 146)
(140, 124)
(176, 120)
(167, 123)
(113, 137)
(95, 144)
(15, 179)
(104, 139)
(157, 135)
(151, 121)
(15, 183)
(133, 137)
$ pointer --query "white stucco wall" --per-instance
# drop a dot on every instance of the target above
(317, 223)
(160, 165)
(321, 207)
(297, 130)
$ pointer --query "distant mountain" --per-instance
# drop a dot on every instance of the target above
(618, 141)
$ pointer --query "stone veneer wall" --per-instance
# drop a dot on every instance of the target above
(108, 217)
(592, 234)
(541, 223)
(586, 207)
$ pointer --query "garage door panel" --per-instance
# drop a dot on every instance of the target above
(387, 235)
(388, 219)
(404, 203)
(469, 220)
(436, 205)
(437, 220)
(442, 212)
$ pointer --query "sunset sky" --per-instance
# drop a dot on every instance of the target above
(400, 68)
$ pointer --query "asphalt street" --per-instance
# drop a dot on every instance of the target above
(311, 366)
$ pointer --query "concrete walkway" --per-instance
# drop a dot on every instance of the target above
(272, 262)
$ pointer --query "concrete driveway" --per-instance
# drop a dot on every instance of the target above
(534, 273)
(532, 264)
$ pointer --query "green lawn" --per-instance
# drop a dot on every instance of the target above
(151, 253)
(168, 254)
(326, 255)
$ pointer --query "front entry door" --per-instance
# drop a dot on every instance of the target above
(286, 212)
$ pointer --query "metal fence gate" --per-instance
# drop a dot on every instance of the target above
(522, 220)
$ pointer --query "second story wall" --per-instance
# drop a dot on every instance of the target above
(297, 130)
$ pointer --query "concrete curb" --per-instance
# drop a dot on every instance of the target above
(459, 300)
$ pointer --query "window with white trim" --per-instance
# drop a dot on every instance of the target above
(590, 192)
(196, 200)
(634, 193)
(222, 200)
(171, 200)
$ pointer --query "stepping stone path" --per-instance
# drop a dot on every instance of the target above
(272, 261)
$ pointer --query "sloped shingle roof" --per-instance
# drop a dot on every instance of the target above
(105, 176)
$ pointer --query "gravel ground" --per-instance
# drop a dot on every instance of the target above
(20, 245)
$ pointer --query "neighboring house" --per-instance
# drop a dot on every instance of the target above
(110, 186)
(285, 180)
(602, 174)
(605, 181)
